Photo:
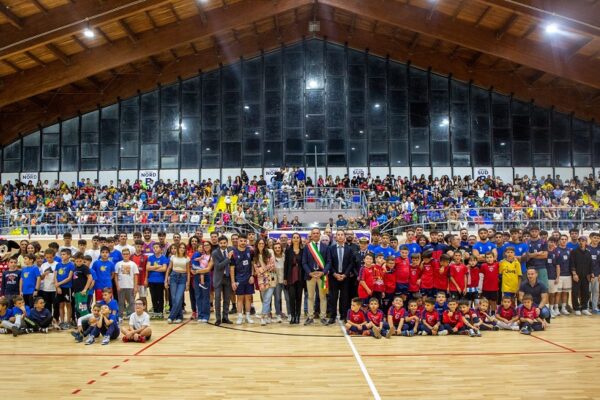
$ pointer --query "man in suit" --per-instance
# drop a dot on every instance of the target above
(316, 264)
(342, 264)
(221, 258)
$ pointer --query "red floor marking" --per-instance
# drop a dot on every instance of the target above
(162, 337)
(104, 374)
(126, 360)
(76, 391)
(554, 344)
(116, 366)
(589, 356)
(90, 382)
(61, 355)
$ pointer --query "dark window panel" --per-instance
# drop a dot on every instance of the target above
(109, 157)
(419, 114)
(378, 142)
(310, 160)
(377, 114)
(190, 130)
(376, 66)
(581, 139)
(460, 144)
(459, 116)
(109, 133)
(420, 160)
(480, 100)
(232, 103)
(520, 108)
(561, 154)
(231, 76)
(210, 162)
(315, 102)
(438, 82)
(336, 63)
(232, 155)
(419, 140)
(521, 127)
(149, 105)
(149, 156)
(310, 147)
(502, 160)
(356, 100)
(88, 164)
(480, 127)
(294, 159)
(272, 103)
(500, 115)
(273, 154)
(336, 160)
(273, 74)
(89, 122)
(293, 63)
(169, 95)
(335, 89)
(253, 67)
(231, 130)
(211, 134)
(461, 160)
(521, 154)
(397, 76)
(440, 154)
(399, 127)
(210, 116)
(337, 133)
(356, 77)
(252, 146)
(378, 160)
(169, 143)
(315, 127)
(211, 148)
(70, 130)
(596, 154)
(439, 102)
(560, 126)
(481, 154)
(210, 91)
(377, 90)
(252, 89)
(460, 92)
(31, 158)
(252, 161)
(502, 145)
(273, 128)
(129, 163)
(540, 117)
(89, 150)
(397, 102)
(399, 154)
(293, 90)
(294, 146)
(336, 146)
(541, 141)
(357, 129)
(439, 127)
(130, 118)
(417, 85)
(357, 153)
(47, 165)
(542, 160)
(293, 115)
(336, 115)
(582, 160)
(169, 118)
(150, 131)
(191, 85)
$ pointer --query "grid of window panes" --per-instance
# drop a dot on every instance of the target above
(311, 102)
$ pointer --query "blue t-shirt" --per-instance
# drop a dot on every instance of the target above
(104, 271)
(113, 305)
(242, 261)
(94, 277)
(154, 276)
(387, 251)
(62, 272)
(196, 264)
(537, 246)
(17, 310)
(29, 276)
(38, 316)
(561, 258)
(413, 248)
(7, 315)
(115, 256)
(551, 265)
(595, 252)
(484, 247)
(572, 246)
(10, 282)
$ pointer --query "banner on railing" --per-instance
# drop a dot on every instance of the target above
(304, 234)
(29, 176)
(148, 176)
(270, 173)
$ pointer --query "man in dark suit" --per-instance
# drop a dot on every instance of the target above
(342, 263)
(221, 258)
(314, 271)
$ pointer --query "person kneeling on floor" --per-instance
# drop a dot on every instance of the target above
(107, 325)
(139, 325)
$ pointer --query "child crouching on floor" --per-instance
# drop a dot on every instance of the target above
(506, 315)
(376, 320)
(86, 323)
(469, 318)
(107, 326)
(40, 317)
(139, 325)
(356, 319)
(430, 320)
(486, 321)
(396, 315)
(529, 317)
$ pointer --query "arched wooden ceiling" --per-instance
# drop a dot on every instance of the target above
(50, 70)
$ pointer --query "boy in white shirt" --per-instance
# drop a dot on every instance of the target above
(47, 289)
(139, 325)
(127, 272)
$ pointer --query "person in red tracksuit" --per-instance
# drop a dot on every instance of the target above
(452, 321)
(458, 276)
(414, 278)
(389, 279)
(428, 266)
(473, 281)
(402, 272)
(440, 275)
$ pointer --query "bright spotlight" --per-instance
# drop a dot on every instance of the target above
(552, 28)
(89, 33)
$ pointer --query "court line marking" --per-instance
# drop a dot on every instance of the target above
(554, 344)
(362, 366)
(162, 337)
(273, 333)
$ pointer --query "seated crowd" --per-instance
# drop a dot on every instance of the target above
(419, 285)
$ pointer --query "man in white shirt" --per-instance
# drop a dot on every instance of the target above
(127, 272)
(139, 325)
(94, 252)
(123, 243)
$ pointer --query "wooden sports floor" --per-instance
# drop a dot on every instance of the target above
(278, 361)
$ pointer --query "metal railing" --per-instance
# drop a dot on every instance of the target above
(323, 198)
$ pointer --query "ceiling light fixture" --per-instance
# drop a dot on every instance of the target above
(552, 28)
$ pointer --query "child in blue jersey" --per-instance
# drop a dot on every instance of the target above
(5, 315)
(411, 320)
(440, 304)
(15, 322)
(376, 320)
(30, 279)
(107, 299)
(241, 270)
(107, 326)
(11, 281)
(105, 270)
(62, 281)
(39, 318)
(155, 280)
(87, 260)
(114, 254)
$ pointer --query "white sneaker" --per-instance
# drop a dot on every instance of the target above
(565, 312)
(578, 313)
(586, 312)
(2, 331)
(240, 319)
(169, 321)
(262, 321)
(268, 320)
(515, 328)
(278, 319)
(249, 319)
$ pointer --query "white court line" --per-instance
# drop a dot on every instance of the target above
(359, 360)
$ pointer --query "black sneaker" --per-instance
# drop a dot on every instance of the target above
(15, 331)
(309, 321)
(252, 311)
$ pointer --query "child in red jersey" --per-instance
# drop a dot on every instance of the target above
(506, 316)
(428, 265)
(141, 260)
(378, 277)
(490, 271)
(458, 276)
(473, 282)
(411, 320)
(430, 319)
(420, 303)
(396, 315)
(486, 321)
(529, 316)
(414, 279)
(402, 272)
(356, 321)
(389, 280)
(366, 285)
(376, 320)
(452, 321)
(440, 274)
(469, 318)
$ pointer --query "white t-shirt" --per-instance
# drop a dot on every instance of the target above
(47, 284)
(125, 271)
(73, 250)
(126, 246)
(95, 254)
(137, 321)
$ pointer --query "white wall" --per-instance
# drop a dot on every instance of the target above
(251, 172)
(438, 172)
(544, 171)
(172, 174)
(68, 177)
(462, 171)
(104, 177)
(401, 172)
(337, 171)
(565, 173)
(310, 172)
(189, 174)
(418, 171)
(210, 173)
(132, 175)
(582, 172)
(93, 175)
(233, 172)
(382, 172)
(44, 176)
(506, 173)
(12, 177)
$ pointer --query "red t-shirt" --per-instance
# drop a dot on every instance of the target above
(367, 277)
(389, 278)
(356, 317)
(141, 261)
(440, 278)
(431, 317)
(506, 313)
(402, 270)
(531, 313)
(397, 314)
(474, 277)
(378, 278)
(415, 274)
(427, 274)
(490, 277)
(459, 273)
(376, 318)
(455, 321)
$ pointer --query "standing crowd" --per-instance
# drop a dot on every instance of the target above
(434, 284)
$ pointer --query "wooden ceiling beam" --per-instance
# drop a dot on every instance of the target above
(506, 26)
(174, 12)
(79, 42)
(69, 19)
(58, 54)
(128, 31)
(11, 17)
(102, 58)
(576, 16)
(40, 6)
(68, 105)
(541, 56)
(12, 65)
(35, 58)
(482, 16)
(152, 22)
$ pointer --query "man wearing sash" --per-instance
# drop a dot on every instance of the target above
(316, 264)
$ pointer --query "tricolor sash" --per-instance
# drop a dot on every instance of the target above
(320, 261)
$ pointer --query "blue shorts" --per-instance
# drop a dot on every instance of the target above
(401, 288)
(244, 289)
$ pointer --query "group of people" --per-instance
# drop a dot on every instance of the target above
(379, 286)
